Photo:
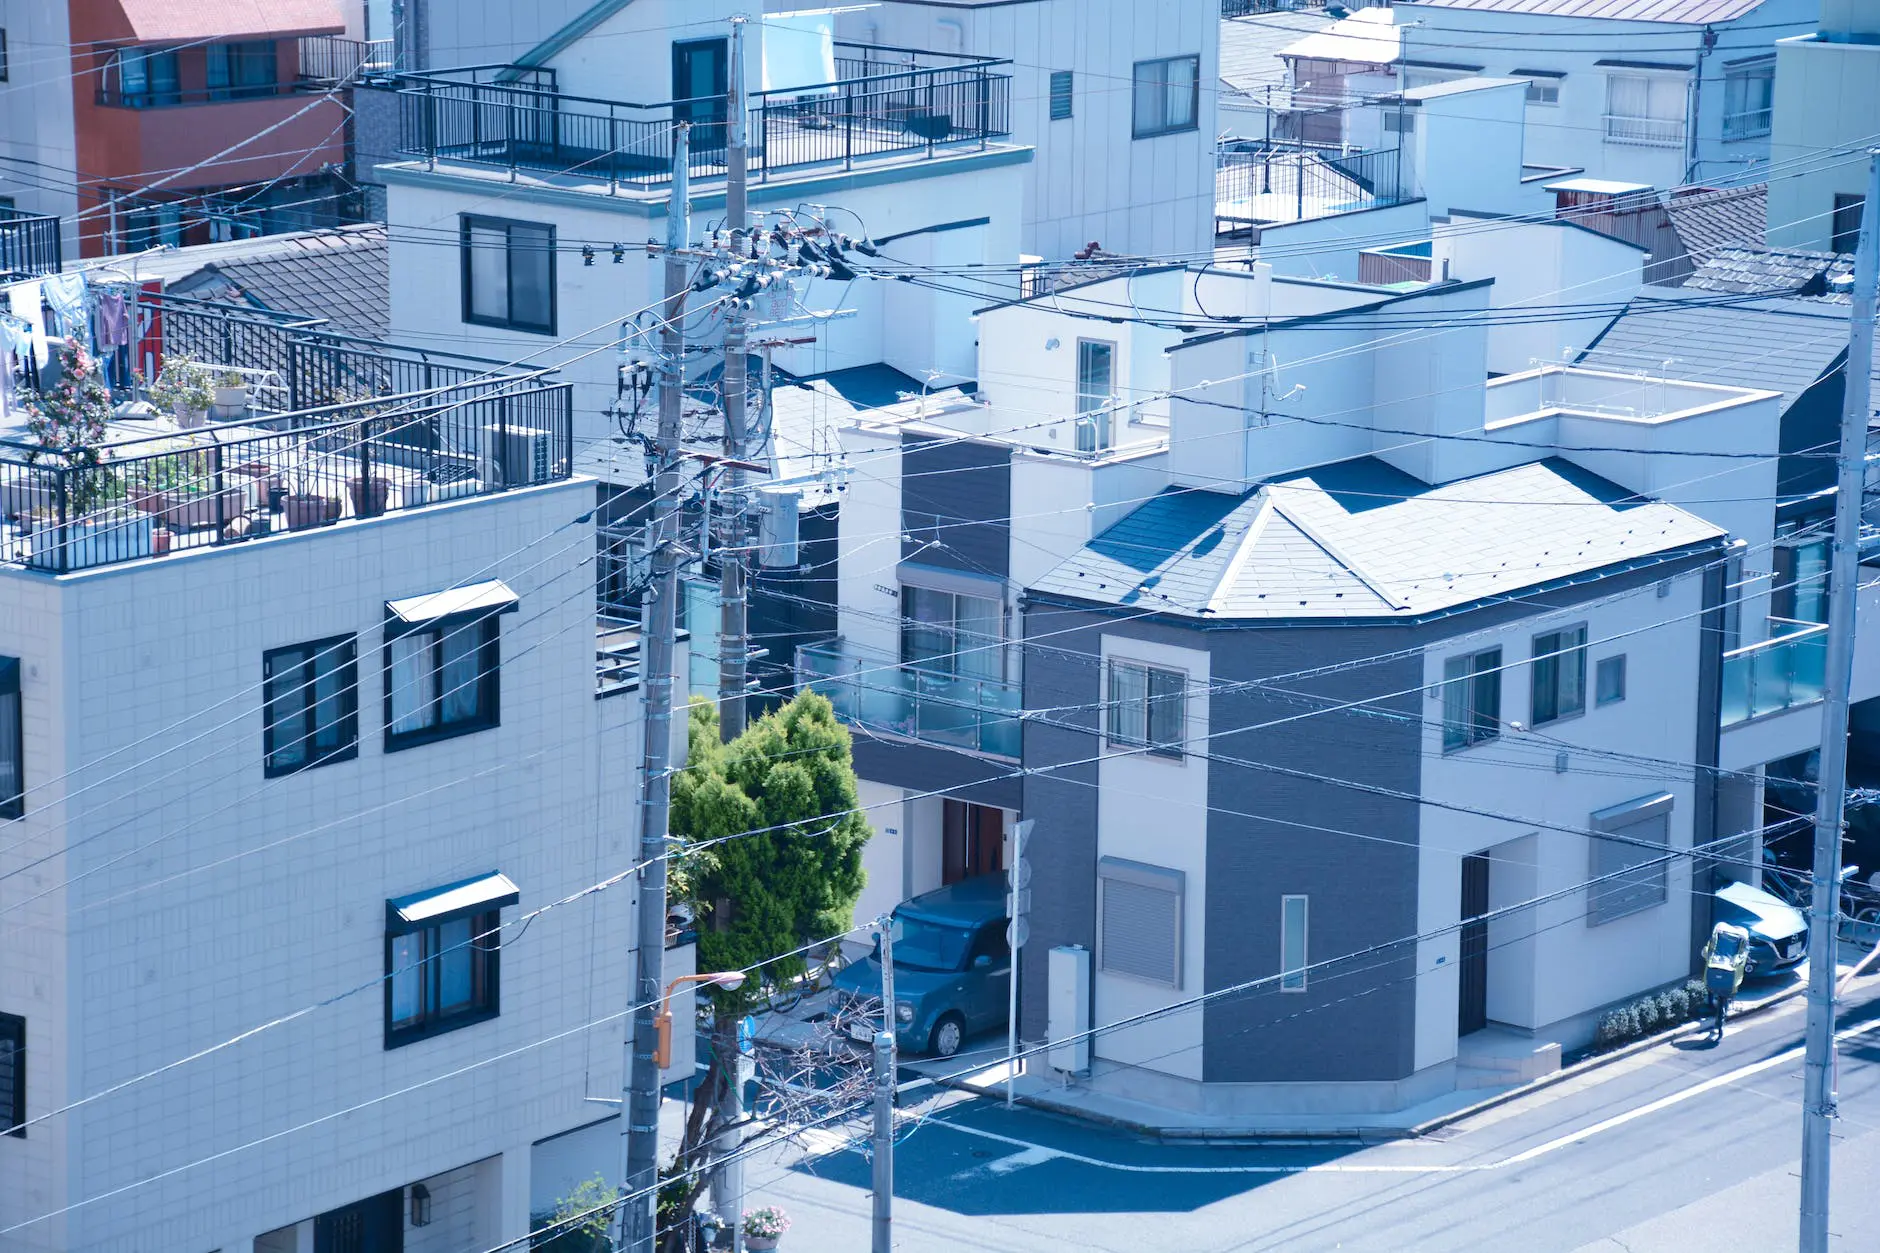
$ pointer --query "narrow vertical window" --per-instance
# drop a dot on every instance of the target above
(12, 742)
(1292, 944)
(1096, 393)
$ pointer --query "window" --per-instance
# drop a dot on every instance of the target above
(509, 274)
(1061, 83)
(1471, 699)
(13, 1074)
(1292, 944)
(440, 682)
(1148, 706)
(312, 705)
(12, 742)
(1096, 393)
(1748, 94)
(1167, 96)
(1800, 592)
(1609, 680)
(1543, 86)
(1846, 221)
(3, 54)
(441, 950)
(146, 76)
(1139, 921)
(1629, 869)
(951, 632)
(1645, 109)
(1559, 678)
(241, 70)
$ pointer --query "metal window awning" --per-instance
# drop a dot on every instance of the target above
(471, 600)
(455, 900)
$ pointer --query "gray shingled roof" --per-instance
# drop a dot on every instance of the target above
(1360, 539)
(339, 275)
(1796, 271)
(1780, 345)
(1250, 48)
(1709, 221)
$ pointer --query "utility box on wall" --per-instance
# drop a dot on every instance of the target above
(1067, 988)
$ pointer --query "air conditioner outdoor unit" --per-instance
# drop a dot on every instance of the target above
(515, 456)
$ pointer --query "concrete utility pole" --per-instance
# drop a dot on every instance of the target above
(659, 628)
(733, 629)
(1818, 1096)
(885, 1066)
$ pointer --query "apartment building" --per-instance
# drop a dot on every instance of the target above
(1827, 91)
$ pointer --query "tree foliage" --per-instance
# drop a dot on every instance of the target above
(772, 836)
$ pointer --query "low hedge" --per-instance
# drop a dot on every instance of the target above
(1651, 1014)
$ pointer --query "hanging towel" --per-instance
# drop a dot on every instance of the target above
(114, 321)
(26, 299)
(66, 294)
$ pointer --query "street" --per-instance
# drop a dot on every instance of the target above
(1685, 1146)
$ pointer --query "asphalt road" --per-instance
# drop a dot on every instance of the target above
(1688, 1146)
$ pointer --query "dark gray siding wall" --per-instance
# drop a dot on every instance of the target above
(1810, 427)
(1352, 853)
(956, 505)
(927, 768)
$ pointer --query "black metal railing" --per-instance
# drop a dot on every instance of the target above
(314, 367)
(1263, 184)
(331, 60)
(29, 245)
(471, 116)
(1247, 8)
(165, 98)
(237, 482)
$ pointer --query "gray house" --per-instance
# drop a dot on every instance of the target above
(1289, 742)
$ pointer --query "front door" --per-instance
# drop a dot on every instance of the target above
(374, 1225)
(1472, 1004)
(700, 80)
(973, 840)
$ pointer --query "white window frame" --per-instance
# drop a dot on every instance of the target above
(1096, 415)
(1293, 973)
(1116, 736)
(1543, 87)
(1142, 877)
(1647, 129)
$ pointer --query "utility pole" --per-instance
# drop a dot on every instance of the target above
(733, 628)
(659, 627)
(885, 1067)
(1818, 1097)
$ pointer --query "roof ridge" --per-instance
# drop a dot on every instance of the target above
(1311, 532)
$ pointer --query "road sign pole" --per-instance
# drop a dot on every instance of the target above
(1018, 875)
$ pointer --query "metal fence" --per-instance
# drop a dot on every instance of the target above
(29, 245)
(1295, 182)
(1247, 8)
(238, 482)
(334, 60)
(462, 116)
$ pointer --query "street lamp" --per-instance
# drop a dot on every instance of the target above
(729, 980)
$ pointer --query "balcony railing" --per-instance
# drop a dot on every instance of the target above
(878, 693)
(888, 112)
(29, 245)
(165, 98)
(1270, 183)
(1787, 670)
(1650, 132)
(332, 60)
(153, 494)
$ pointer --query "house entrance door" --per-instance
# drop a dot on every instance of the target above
(973, 841)
(1472, 1003)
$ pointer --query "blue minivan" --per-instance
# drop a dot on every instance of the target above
(952, 969)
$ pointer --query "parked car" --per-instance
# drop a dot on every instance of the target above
(1778, 934)
(952, 969)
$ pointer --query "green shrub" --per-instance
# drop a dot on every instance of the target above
(1611, 1028)
(1647, 1010)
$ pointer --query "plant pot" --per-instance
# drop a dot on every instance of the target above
(188, 418)
(276, 494)
(335, 508)
(260, 481)
(95, 540)
(368, 496)
(231, 398)
(185, 511)
(304, 511)
(160, 541)
(759, 1243)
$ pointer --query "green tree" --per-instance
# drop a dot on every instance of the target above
(770, 838)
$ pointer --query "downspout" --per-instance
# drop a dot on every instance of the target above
(1705, 48)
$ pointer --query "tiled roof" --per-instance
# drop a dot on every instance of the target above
(1770, 271)
(339, 275)
(1359, 539)
(1707, 221)
(1250, 48)
(1694, 12)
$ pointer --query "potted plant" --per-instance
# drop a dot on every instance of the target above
(763, 1228)
(183, 387)
(303, 506)
(231, 393)
(369, 495)
(68, 421)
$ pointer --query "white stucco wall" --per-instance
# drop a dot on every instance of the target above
(38, 148)
(1827, 96)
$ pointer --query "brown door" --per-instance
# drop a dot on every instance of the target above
(973, 841)
(1472, 1004)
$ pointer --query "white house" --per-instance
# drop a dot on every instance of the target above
(300, 770)
(1827, 93)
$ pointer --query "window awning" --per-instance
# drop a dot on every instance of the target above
(472, 600)
(192, 21)
(455, 900)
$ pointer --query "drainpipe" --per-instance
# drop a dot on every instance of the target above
(1707, 46)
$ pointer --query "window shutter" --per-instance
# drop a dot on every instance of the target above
(1141, 921)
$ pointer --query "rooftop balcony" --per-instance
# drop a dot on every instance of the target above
(515, 118)
(155, 488)
(1272, 183)
(879, 693)
(29, 245)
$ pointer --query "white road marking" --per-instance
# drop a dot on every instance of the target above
(1028, 1149)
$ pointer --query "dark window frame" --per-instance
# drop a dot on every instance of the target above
(1137, 81)
(1144, 736)
(232, 60)
(344, 650)
(470, 222)
(3, 54)
(13, 1111)
(1063, 95)
(1480, 675)
(489, 681)
(1553, 657)
(486, 976)
(14, 725)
